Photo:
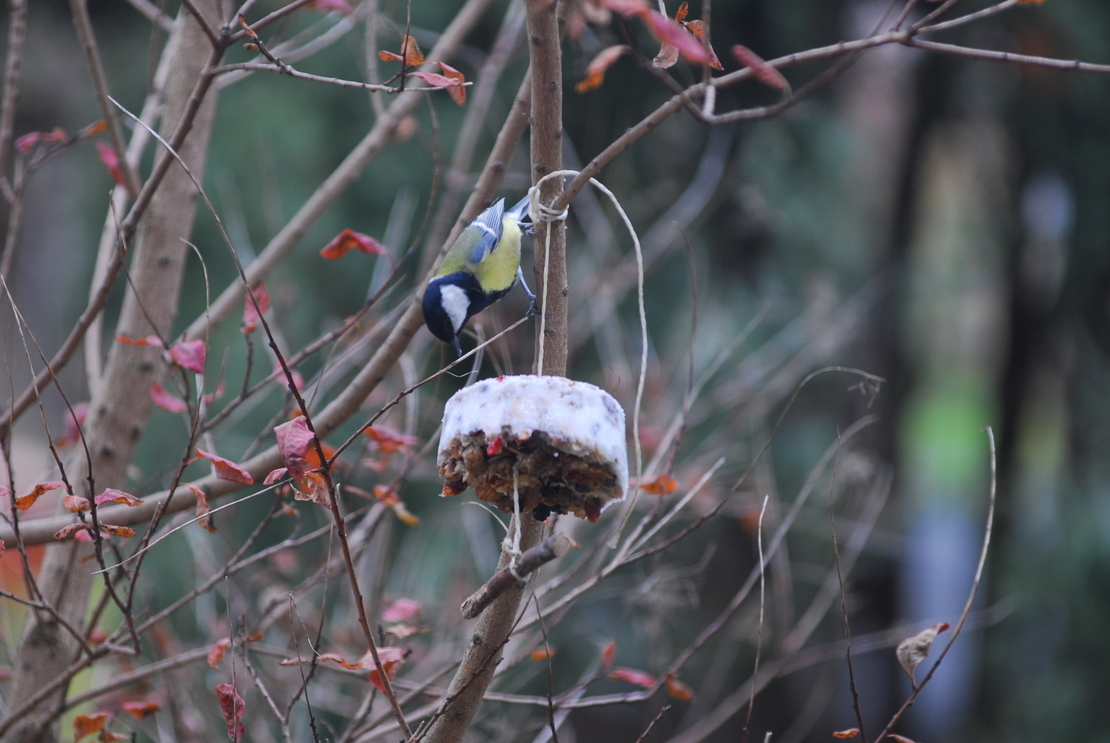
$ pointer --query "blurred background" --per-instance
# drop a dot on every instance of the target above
(938, 222)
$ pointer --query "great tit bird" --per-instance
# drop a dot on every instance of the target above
(479, 269)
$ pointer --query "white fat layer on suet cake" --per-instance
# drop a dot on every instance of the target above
(583, 419)
(455, 303)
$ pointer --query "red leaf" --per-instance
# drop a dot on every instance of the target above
(762, 70)
(435, 79)
(97, 127)
(392, 500)
(312, 487)
(293, 441)
(348, 239)
(226, 469)
(627, 7)
(165, 400)
(388, 440)
(140, 709)
(88, 724)
(541, 654)
(150, 340)
(849, 733)
(339, 5)
(108, 157)
(276, 475)
(391, 659)
(633, 676)
(111, 495)
(312, 458)
(232, 707)
(677, 689)
(26, 501)
(204, 518)
(697, 28)
(682, 12)
(400, 631)
(457, 91)
(607, 654)
(74, 421)
(664, 484)
(251, 315)
(672, 32)
(401, 610)
(69, 531)
(28, 141)
(413, 57)
(189, 355)
(124, 532)
(410, 52)
(493, 448)
(595, 71)
(217, 652)
(75, 503)
(340, 661)
(701, 31)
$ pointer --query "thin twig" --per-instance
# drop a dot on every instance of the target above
(762, 603)
(844, 601)
(286, 69)
(550, 674)
(1065, 65)
(100, 86)
(987, 530)
(652, 724)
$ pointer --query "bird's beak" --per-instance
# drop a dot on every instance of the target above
(455, 344)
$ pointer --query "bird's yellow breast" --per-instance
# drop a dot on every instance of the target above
(498, 271)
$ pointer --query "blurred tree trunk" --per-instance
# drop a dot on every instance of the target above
(121, 404)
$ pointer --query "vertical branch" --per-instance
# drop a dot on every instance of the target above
(488, 640)
(17, 30)
(547, 157)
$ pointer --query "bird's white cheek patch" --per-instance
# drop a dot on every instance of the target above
(455, 304)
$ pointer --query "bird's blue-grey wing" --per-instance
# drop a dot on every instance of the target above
(488, 224)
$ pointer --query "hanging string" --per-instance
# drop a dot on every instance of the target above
(541, 213)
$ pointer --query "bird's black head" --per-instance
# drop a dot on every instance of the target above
(449, 301)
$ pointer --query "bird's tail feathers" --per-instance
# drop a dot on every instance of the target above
(519, 212)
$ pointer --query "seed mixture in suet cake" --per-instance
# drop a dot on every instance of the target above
(563, 440)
